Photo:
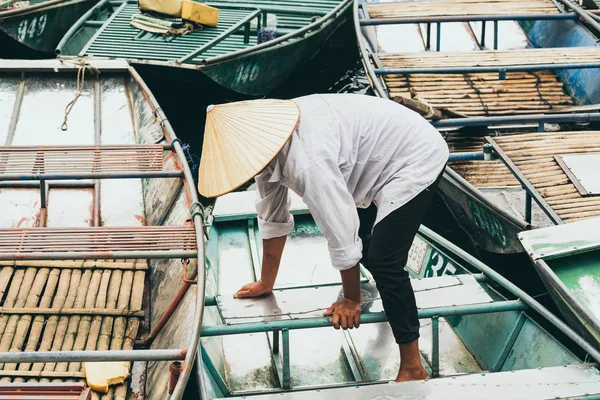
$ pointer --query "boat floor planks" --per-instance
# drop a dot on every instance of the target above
(533, 154)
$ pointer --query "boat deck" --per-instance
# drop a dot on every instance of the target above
(532, 156)
(117, 38)
(479, 173)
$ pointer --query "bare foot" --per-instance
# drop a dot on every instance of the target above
(416, 373)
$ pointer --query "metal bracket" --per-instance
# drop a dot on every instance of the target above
(435, 353)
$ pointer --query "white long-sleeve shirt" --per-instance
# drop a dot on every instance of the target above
(348, 151)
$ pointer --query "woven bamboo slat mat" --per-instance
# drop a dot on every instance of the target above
(479, 173)
(68, 288)
(484, 94)
(460, 7)
(535, 56)
(533, 154)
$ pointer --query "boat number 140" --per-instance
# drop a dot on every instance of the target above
(31, 28)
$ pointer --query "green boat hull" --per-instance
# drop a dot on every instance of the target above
(489, 227)
(39, 30)
(567, 259)
(263, 71)
(579, 321)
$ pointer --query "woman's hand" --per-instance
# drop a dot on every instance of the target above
(254, 289)
(346, 313)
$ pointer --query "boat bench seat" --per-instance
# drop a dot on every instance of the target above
(18, 162)
(98, 243)
(301, 303)
(492, 58)
(542, 383)
(445, 8)
(473, 83)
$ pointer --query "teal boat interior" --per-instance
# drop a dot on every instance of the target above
(567, 258)
(106, 31)
(479, 334)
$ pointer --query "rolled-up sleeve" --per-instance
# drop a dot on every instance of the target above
(334, 211)
(273, 208)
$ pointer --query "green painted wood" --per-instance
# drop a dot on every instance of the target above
(120, 39)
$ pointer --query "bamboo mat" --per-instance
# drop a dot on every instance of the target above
(483, 94)
(460, 7)
(30, 288)
(534, 153)
(496, 58)
(479, 173)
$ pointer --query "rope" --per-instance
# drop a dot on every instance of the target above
(83, 66)
(163, 26)
(477, 92)
(192, 159)
(538, 82)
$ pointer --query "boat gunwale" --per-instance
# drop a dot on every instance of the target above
(279, 42)
(36, 7)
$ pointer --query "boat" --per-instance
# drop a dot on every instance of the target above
(479, 70)
(229, 54)
(480, 334)
(33, 28)
(566, 259)
(100, 234)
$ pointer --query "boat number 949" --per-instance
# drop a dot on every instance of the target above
(31, 28)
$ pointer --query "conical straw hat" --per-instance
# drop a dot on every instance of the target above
(240, 139)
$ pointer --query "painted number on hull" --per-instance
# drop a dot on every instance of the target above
(416, 254)
(247, 73)
(31, 28)
(488, 222)
(439, 265)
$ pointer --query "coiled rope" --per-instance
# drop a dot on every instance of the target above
(83, 66)
(163, 26)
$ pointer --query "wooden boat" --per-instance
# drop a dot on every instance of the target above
(228, 54)
(97, 265)
(474, 340)
(33, 28)
(534, 68)
(567, 259)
